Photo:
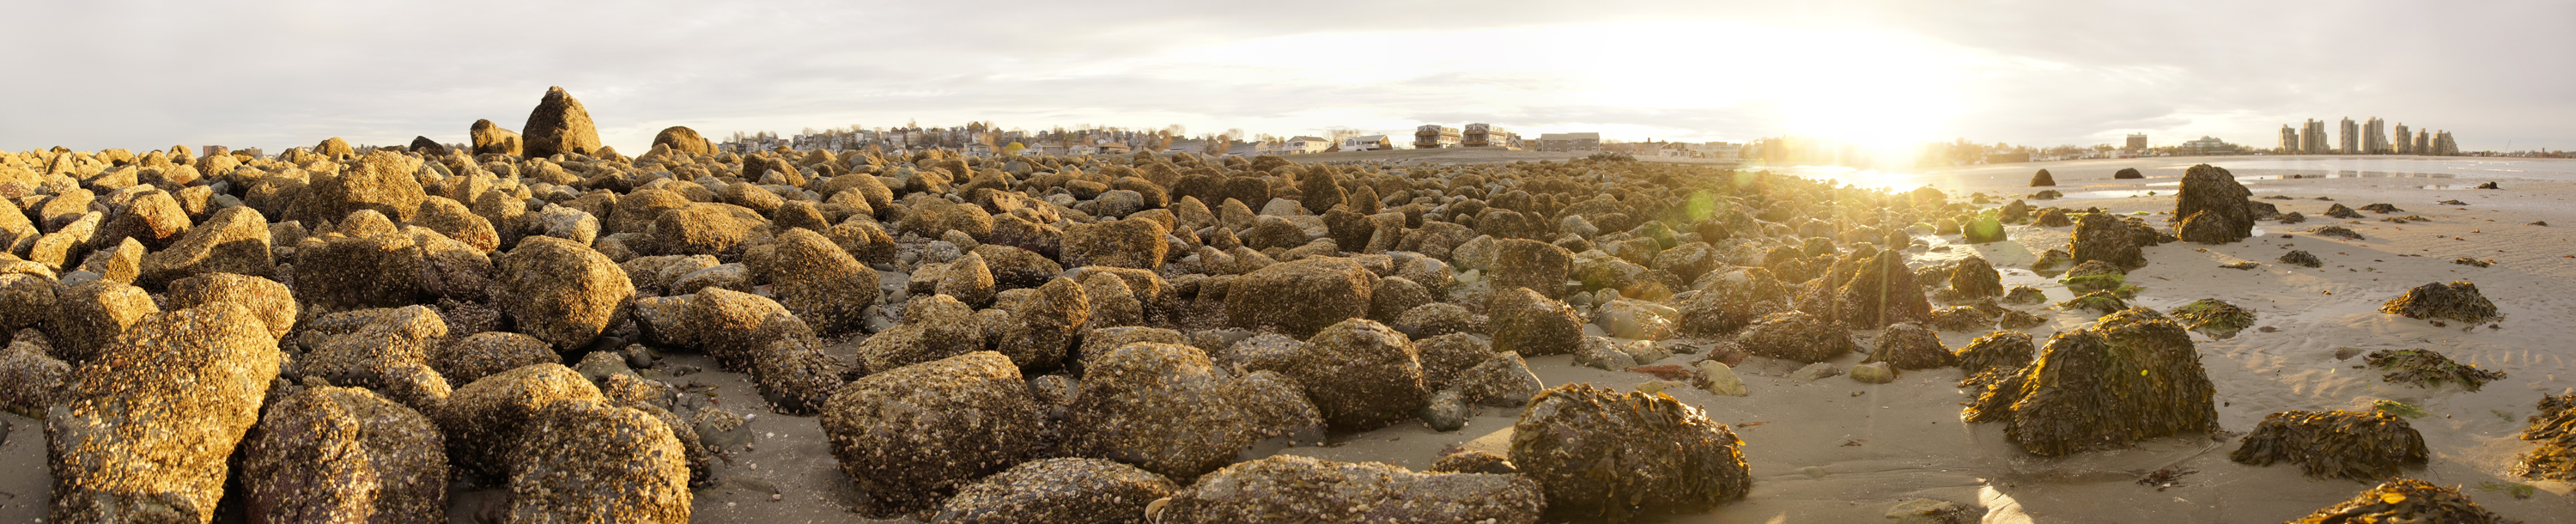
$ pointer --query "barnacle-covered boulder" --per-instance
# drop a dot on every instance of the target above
(484, 420)
(1360, 374)
(1602, 454)
(1527, 322)
(562, 292)
(1057, 490)
(2406, 500)
(2334, 444)
(820, 283)
(2133, 375)
(144, 432)
(902, 433)
(327, 454)
(1292, 488)
(1532, 264)
(2458, 300)
(591, 461)
(1300, 297)
(1167, 409)
(1795, 335)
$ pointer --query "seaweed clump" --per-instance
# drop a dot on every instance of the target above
(1603, 454)
(2336, 232)
(2334, 444)
(2094, 275)
(2339, 211)
(2134, 375)
(2217, 318)
(2554, 429)
(1994, 357)
(2302, 258)
(2099, 302)
(2458, 300)
(2406, 500)
(2427, 369)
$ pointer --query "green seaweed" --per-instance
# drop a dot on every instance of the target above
(2398, 408)
(2428, 369)
(2101, 302)
(2334, 444)
(2217, 318)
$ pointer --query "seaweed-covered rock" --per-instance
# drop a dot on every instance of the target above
(1795, 335)
(1911, 347)
(2001, 351)
(2336, 232)
(1728, 302)
(1539, 266)
(2094, 275)
(2301, 258)
(1668, 456)
(145, 431)
(484, 420)
(1961, 318)
(2212, 206)
(2133, 375)
(2025, 295)
(2127, 173)
(2042, 179)
(1527, 322)
(2458, 300)
(2406, 500)
(1300, 297)
(2213, 316)
(1974, 278)
(590, 461)
(1057, 490)
(1289, 487)
(1168, 409)
(2382, 209)
(2554, 431)
(2425, 368)
(707, 228)
(2100, 236)
(2053, 217)
(2334, 444)
(329, 453)
(562, 292)
(1473, 461)
(898, 433)
(2098, 302)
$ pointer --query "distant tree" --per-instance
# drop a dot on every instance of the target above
(1336, 134)
(1013, 149)
(1217, 145)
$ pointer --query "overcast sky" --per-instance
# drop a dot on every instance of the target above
(99, 74)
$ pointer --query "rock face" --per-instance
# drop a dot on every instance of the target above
(2212, 206)
(2458, 300)
(1670, 456)
(897, 433)
(143, 435)
(589, 461)
(684, 140)
(1057, 490)
(2334, 444)
(329, 453)
(1167, 409)
(1300, 297)
(1272, 488)
(563, 292)
(2042, 179)
(2133, 375)
(491, 139)
(1361, 374)
(559, 125)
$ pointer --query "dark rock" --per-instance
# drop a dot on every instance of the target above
(1526, 322)
(1795, 335)
(327, 453)
(2025, 295)
(145, 434)
(2301, 258)
(2336, 232)
(1672, 458)
(1300, 297)
(2382, 209)
(590, 461)
(1057, 490)
(2293, 217)
(1288, 486)
(1166, 408)
(2213, 207)
(2128, 173)
(895, 434)
(1911, 347)
(2133, 375)
(2406, 500)
(559, 125)
(2334, 444)
(2339, 211)
(563, 292)
(2457, 300)
(2041, 179)
(2052, 217)
(2103, 237)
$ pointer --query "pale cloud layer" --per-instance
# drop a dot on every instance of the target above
(92, 75)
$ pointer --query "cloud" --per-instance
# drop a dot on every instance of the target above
(283, 73)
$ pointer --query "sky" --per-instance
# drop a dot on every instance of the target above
(100, 74)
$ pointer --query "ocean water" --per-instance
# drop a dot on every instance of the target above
(2163, 173)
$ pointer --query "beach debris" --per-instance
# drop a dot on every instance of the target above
(2541, 223)
(2334, 444)
(2467, 261)
(1815, 372)
(2094, 275)
(2336, 232)
(2339, 211)
(2406, 500)
(1910, 347)
(1928, 511)
(2127, 173)
(2169, 477)
(1056, 490)
(2293, 217)
(2041, 179)
(1795, 335)
(2489, 185)
(2246, 264)
(1672, 457)
(2382, 209)
(2301, 258)
(2398, 408)
(1285, 485)
(2456, 300)
(2212, 207)
(2554, 431)
(2426, 368)
(2213, 316)
(2133, 375)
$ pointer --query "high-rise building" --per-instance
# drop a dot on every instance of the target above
(2137, 142)
(2289, 139)
(2443, 145)
(2347, 137)
(2404, 143)
(2312, 137)
(2423, 142)
(2374, 136)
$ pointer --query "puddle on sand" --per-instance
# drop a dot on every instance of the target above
(2130, 193)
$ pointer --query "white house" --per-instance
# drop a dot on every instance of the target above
(1305, 144)
(1367, 143)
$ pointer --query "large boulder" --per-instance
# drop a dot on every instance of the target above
(2133, 375)
(484, 421)
(2042, 179)
(489, 353)
(91, 317)
(705, 228)
(2212, 206)
(365, 264)
(820, 283)
(1056, 490)
(563, 292)
(1599, 453)
(1166, 408)
(382, 181)
(1527, 322)
(235, 240)
(1361, 374)
(1300, 297)
(559, 125)
(590, 461)
(1294, 488)
(384, 349)
(1795, 335)
(491, 139)
(684, 140)
(1532, 264)
(2100, 236)
(1046, 325)
(326, 453)
(152, 218)
(901, 435)
(145, 433)
(1129, 243)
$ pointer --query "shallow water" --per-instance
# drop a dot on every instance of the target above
(2249, 170)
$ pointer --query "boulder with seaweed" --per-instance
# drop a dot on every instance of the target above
(2334, 444)
(2406, 500)
(2094, 275)
(2428, 369)
(2099, 302)
(2213, 316)
(2458, 300)
(2132, 376)
(2554, 429)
